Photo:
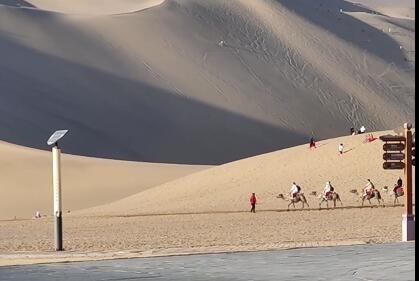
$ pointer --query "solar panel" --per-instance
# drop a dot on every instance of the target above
(56, 136)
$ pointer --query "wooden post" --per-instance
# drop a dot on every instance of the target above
(408, 218)
(408, 170)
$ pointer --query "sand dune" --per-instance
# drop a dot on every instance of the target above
(121, 226)
(26, 184)
(156, 86)
(89, 8)
(227, 187)
(399, 9)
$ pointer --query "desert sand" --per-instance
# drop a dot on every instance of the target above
(227, 187)
(26, 180)
(156, 92)
(208, 211)
(156, 85)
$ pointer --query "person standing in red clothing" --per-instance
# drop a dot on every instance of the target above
(312, 143)
(253, 203)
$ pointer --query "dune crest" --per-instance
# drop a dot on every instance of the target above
(26, 180)
(86, 8)
(203, 82)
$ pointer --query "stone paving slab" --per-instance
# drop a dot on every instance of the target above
(360, 262)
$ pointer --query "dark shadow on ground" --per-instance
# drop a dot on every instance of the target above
(326, 14)
(113, 117)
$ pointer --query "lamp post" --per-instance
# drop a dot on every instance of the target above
(56, 184)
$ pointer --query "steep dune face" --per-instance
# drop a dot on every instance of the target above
(157, 86)
(90, 7)
(228, 187)
(26, 183)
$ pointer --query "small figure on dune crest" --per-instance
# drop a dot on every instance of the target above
(369, 138)
(253, 203)
(352, 131)
(312, 143)
(340, 149)
(362, 130)
(221, 43)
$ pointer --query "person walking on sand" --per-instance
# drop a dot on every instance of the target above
(340, 149)
(312, 143)
(253, 203)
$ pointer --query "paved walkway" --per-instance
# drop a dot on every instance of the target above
(364, 262)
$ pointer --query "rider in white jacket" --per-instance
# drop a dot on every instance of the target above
(294, 190)
(328, 188)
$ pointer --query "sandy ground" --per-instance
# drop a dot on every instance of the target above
(115, 237)
(26, 180)
(157, 86)
(228, 187)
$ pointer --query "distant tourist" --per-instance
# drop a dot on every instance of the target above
(328, 189)
(398, 185)
(253, 203)
(295, 189)
(353, 132)
(362, 130)
(340, 149)
(37, 215)
(369, 138)
(312, 143)
(369, 188)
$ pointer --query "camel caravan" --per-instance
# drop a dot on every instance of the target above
(329, 194)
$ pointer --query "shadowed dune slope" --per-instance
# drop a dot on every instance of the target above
(228, 187)
(26, 181)
(157, 86)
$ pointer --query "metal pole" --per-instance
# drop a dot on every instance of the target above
(408, 218)
(56, 182)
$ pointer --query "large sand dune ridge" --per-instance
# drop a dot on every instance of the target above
(155, 85)
(228, 187)
(26, 180)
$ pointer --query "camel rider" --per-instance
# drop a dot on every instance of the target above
(369, 188)
(295, 189)
(398, 185)
(328, 189)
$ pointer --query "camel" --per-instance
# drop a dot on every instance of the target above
(333, 196)
(376, 194)
(298, 198)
